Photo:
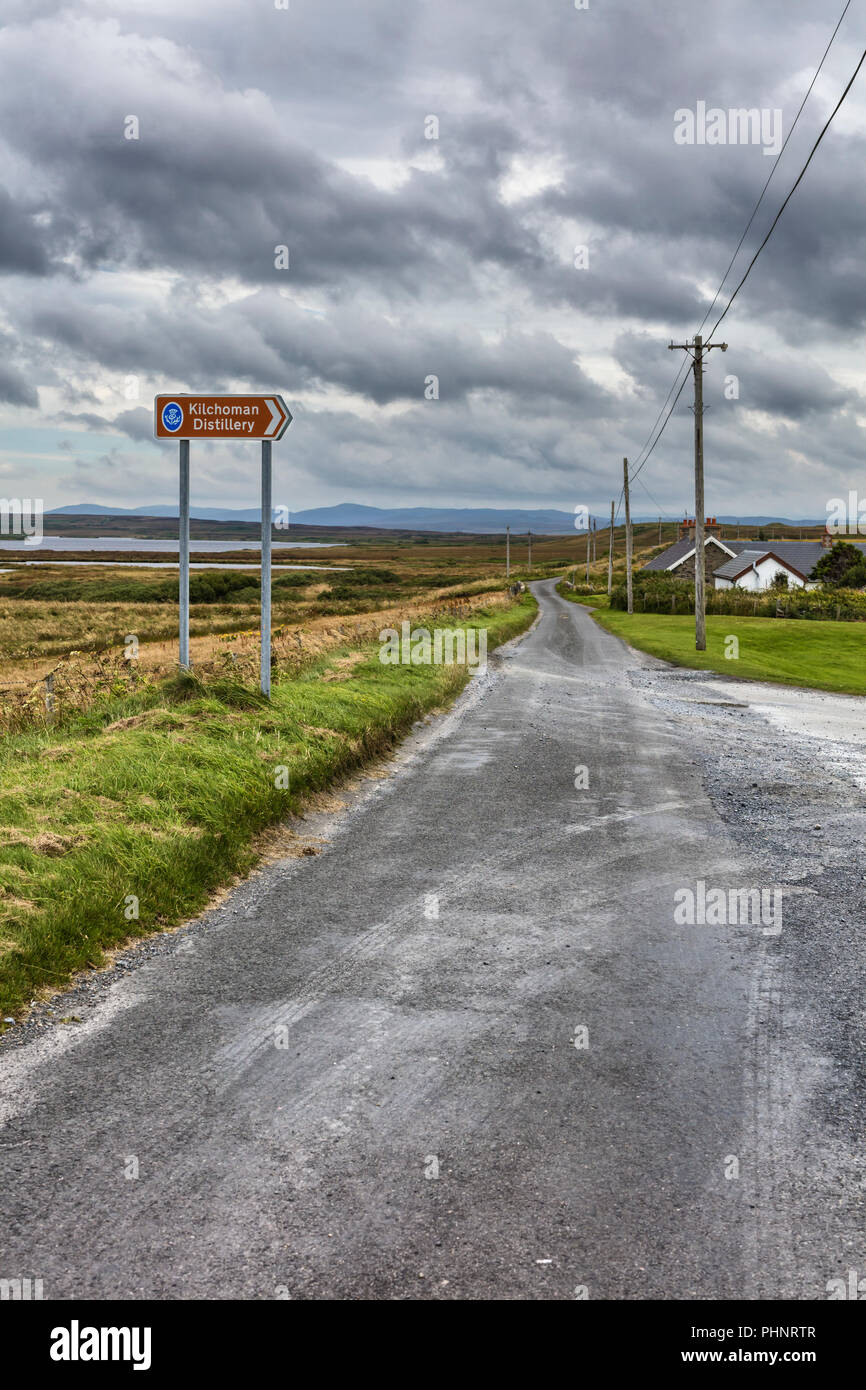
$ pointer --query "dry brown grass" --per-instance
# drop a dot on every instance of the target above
(82, 677)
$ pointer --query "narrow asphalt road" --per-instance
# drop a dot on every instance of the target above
(466, 1051)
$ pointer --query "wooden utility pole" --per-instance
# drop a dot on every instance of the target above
(610, 554)
(588, 545)
(628, 584)
(508, 552)
(529, 564)
(594, 541)
(697, 350)
(660, 530)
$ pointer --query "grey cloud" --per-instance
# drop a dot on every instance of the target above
(115, 254)
(21, 250)
(263, 340)
(16, 389)
(136, 423)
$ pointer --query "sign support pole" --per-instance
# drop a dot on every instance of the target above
(267, 511)
(184, 417)
(183, 533)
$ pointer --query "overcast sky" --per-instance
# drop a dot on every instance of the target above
(136, 266)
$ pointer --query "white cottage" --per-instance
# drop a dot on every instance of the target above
(757, 569)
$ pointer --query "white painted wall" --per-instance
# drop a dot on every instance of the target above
(767, 570)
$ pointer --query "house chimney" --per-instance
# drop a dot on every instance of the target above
(827, 540)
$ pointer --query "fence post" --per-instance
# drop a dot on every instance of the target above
(49, 693)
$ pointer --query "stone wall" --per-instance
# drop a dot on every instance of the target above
(714, 557)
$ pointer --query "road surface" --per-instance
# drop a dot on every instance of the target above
(466, 1051)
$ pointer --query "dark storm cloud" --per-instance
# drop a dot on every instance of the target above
(15, 388)
(215, 180)
(136, 423)
(20, 241)
(793, 387)
(218, 178)
(266, 339)
(261, 128)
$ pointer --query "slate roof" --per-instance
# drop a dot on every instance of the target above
(799, 556)
(732, 569)
(680, 549)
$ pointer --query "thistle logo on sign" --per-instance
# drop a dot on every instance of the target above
(233, 417)
(172, 417)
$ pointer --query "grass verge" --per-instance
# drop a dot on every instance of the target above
(589, 600)
(819, 655)
(151, 803)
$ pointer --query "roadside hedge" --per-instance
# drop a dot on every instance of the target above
(662, 594)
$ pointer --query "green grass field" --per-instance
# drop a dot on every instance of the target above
(823, 655)
(149, 803)
(588, 600)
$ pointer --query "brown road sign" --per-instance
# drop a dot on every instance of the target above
(220, 417)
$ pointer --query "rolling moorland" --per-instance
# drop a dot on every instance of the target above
(132, 792)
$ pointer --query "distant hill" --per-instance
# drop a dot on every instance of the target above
(473, 520)
(480, 520)
(157, 509)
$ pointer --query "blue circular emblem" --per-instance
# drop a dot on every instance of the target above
(172, 417)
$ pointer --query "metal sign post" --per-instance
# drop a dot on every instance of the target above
(183, 535)
(267, 512)
(183, 418)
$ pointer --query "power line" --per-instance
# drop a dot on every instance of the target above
(797, 181)
(658, 417)
(654, 500)
(644, 455)
(634, 476)
(775, 166)
(667, 417)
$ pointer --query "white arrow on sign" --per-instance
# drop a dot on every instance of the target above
(278, 415)
(281, 417)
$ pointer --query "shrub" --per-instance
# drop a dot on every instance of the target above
(664, 594)
(205, 586)
(842, 566)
